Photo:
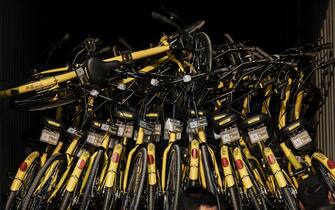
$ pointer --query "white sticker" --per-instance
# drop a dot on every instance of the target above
(230, 135)
(173, 125)
(49, 136)
(301, 139)
(71, 130)
(104, 127)
(125, 130)
(259, 134)
(95, 139)
(198, 123)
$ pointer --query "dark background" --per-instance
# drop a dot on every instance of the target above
(29, 30)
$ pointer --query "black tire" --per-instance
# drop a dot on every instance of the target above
(15, 198)
(173, 179)
(109, 199)
(256, 185)
(289, 199)
(66, 200)
(43, 101)
(323, 173)
(137, 175)
(151, 198)
(26, 203)
(253, 198)
(205, 45)
(233, 197)
(209, 174)
(85, 201)
(208, 170)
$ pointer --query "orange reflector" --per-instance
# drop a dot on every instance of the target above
(194, 153)
(239, 163)
(224, 162)
(115, 157)
(151, 159)
(81, 164)
(331, 164)
(271, 159)
(23, 166)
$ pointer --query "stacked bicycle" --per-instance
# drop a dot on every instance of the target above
(134, 130)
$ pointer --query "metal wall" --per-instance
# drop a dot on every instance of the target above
(324, 30)
(16, 57)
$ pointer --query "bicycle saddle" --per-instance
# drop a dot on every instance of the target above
(230, 119)
(99, 71)
(293, 127)
(254, 120)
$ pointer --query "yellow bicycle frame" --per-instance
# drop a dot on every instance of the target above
(54, 80)
(23, 169)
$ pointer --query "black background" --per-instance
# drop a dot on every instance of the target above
(29, 29)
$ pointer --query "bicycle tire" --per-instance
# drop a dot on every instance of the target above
(26, 201)
(291, 204)
(174, 161)
(209, 176)
(255, 183)
(109, 199)
(11, 201)
(233, 199)
(253, 199)
(323, 173)
(151, 198)
(85, 201)
(66, 200)
(44, 100)
(207, 45)
(135, 185)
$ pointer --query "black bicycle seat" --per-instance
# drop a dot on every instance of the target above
(292, 127)
(152, 115)
(254, 120)
(99, 70)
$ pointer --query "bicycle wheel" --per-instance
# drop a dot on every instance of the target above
(44, 100)
(136, 179)
(15, 197)
(151, 197)
(324, 174)
(260, 199)
(289, 199)
(208, 170)
(253, 198)
(233, 198)
(38, 200)
(173, 178)
(109, 199)
(90, 188)
(209, 174)
(66, 200)
(203, 52)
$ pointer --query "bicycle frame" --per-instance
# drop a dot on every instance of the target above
(54, 80)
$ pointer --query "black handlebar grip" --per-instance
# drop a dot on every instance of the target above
(64, 39)
(105, 50)
(163, 19)
(124, 42)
